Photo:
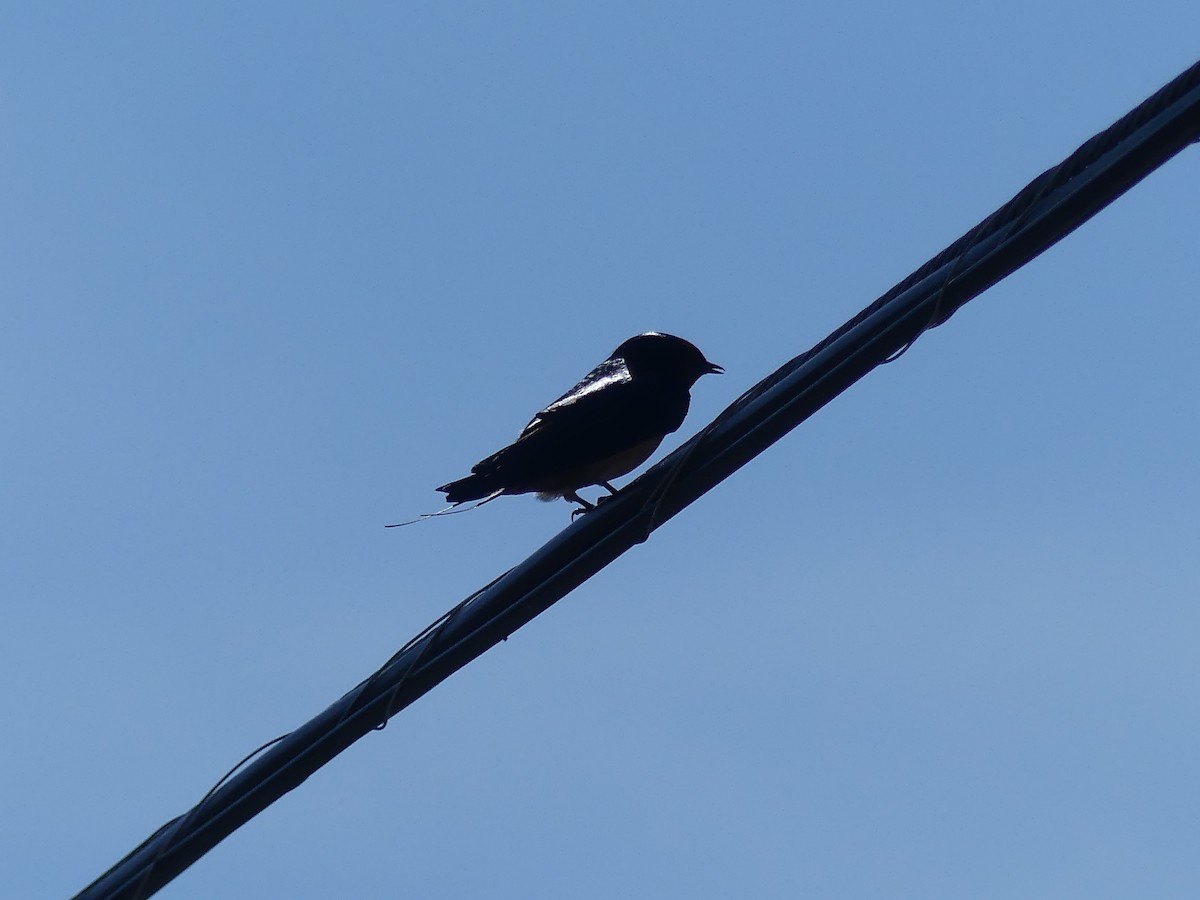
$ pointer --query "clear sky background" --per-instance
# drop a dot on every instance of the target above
(272, 271)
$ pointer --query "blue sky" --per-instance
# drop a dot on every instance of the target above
(273, 271)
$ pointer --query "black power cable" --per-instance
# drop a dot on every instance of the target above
(1045, 211)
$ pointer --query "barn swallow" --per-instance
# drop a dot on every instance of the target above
(605, 426)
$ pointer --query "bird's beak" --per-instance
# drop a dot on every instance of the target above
(714, 369)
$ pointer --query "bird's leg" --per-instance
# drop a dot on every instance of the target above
(612, 492)
(584, 506)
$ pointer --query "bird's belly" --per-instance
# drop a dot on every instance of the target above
(593, 473)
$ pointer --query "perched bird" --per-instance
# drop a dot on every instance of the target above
(605, 426)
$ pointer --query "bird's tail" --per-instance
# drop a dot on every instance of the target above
(473, 487)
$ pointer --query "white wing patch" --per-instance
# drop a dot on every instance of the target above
(617, 377)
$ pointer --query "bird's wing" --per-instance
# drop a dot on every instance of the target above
(600, 417)
(608, 374)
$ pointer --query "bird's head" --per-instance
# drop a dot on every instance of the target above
(665, 356)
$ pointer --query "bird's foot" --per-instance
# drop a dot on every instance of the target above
(584, 506)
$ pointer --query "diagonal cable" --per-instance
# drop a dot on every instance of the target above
(1046, 210)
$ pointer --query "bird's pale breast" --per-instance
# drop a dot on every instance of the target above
(606, 469)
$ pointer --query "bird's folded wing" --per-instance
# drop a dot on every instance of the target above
(586, 426)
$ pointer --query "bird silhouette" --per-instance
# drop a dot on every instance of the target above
(605, 426)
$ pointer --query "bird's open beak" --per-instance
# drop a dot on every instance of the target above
(714, 369)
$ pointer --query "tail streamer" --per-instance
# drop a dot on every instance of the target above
(451, 510)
